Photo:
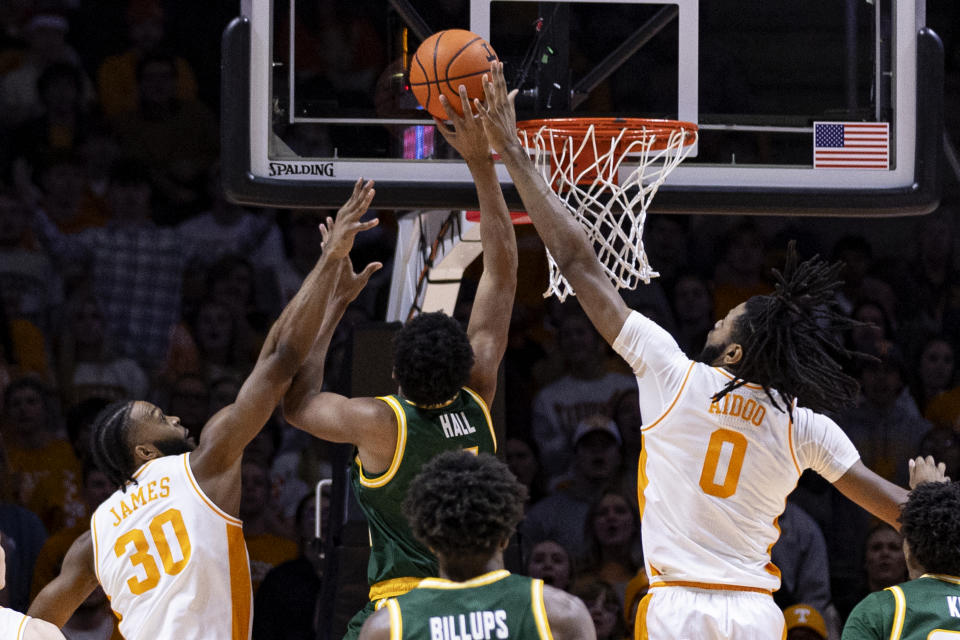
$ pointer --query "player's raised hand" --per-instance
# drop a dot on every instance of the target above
(926, 470)
(497, 112)
(466, 135)
(337, 236)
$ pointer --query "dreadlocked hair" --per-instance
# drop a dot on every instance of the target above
(789, 339)
(109, 445)
(461, 504)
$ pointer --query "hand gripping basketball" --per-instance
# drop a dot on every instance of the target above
(445, 61)
(498, 113)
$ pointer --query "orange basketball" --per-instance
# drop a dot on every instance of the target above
(443, 62)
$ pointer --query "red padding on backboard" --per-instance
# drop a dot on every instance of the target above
(517, 217)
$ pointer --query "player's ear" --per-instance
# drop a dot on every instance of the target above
(732, 354)
(146, 451)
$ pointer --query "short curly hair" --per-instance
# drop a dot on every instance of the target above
(432, 358)
(931, 526)
(464, 504)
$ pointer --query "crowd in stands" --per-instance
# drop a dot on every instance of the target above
(125, 273)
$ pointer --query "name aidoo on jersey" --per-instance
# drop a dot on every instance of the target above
(476, 625)
(734, 406)
(455, 424)
(139, 495)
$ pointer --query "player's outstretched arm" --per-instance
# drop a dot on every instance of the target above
(562, 235)
(493, 305)
(568, 616)
(286, 347)
(880, 497)
(57, 601)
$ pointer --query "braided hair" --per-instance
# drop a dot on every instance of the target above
(789, 338)
(109, 445)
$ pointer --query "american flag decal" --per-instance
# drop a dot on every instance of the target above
(851, 145)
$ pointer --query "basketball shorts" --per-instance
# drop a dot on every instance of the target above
(687, 613)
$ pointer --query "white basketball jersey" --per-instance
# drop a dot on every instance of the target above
(714, 476)
(13, 624)
(173, 564)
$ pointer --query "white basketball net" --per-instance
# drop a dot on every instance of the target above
(611, 214)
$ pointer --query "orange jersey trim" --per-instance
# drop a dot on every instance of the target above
(642, 480)
(711, 586)
(793, 452)
(241, 591)
(22, 627)
(196, 487)
(674, 403)
(748, 385)
(640, 624)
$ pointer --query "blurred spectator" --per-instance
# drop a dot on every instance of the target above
(562, 515)
(929, 290)
(665, 240)
(626, 415)
(612, 541)
(804, 622)
(884, 565)
(189, 400)
(96, 489)
(30, 286)
(229, 229)
(585, 389)
(856, 254)
(943, 443)
(301, 249)
(524, 461)
(65, 194)
(223, 391)
(742, 270)
(551, 562)
(605, 609)
(20, 98)
(209, 345)
(878, 328)
(99, 150)
(933, 371)
(232, 281)
(886, 425)
(117, 74)
(88, 366)
(634, 593)
(136, 268)
(801, 556)
(693, 309)
(22, 534)
(520, 386)
(48, 471)
(286, 603)
(178, 140)
(265, 547)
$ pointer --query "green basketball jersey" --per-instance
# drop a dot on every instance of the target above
(927, 608)
(463, 423)
(494, 605)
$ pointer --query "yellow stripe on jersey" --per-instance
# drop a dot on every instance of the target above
(642, 480)
(898, 616)
(391, 588)
(241, 591)
(396, 620)
(640, 622)
(672, 404)
(793, 452)
(96, 546)
(22, 627)
(942, 576)
(710, 585)
(539, 609)
(397, 453)
(486, 414)
(479, 581)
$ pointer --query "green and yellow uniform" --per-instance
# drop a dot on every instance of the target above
(397, 560)
(495, 605)
(927, 608)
